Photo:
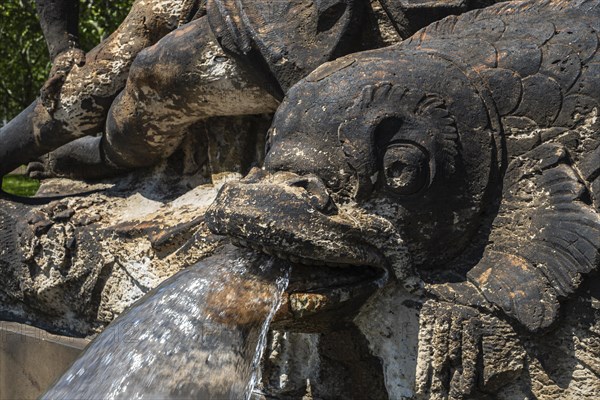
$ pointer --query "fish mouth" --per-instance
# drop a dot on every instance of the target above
(339, 255)
(321, 294)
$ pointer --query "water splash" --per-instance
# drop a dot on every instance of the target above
(281, 284)
(200, 335)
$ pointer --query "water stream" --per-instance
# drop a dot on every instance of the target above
(199, 335)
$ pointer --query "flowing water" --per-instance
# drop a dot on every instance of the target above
(198, 335)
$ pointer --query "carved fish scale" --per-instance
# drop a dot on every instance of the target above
(542, 73)
(476, 141)
(539, 63)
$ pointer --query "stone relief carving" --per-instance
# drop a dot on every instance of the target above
(164, 82)
(441, 194)
(453, 163)
(74, 264)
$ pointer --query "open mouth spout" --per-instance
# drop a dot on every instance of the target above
(335, 264)
(319, 290)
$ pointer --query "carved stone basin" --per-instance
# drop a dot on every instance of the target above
(31, 359)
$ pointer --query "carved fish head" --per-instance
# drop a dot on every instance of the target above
(369, 173)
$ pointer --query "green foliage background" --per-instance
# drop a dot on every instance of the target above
(24, 61)
(20, 185)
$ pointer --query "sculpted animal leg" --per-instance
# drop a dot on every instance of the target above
(75, 100)
(78, 159)
(182, 79)
(59, 20)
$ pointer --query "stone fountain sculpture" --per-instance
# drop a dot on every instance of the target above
(463, 163)
(438, 200)
(132, 232)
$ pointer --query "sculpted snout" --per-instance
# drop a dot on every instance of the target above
(280, 192)
(292, 217)
(336, 264)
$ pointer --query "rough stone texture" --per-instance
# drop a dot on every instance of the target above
(81, 262)
(440, 194)
(462, 163)
(143, 87)
(81, 87)
(74, 264)
(409, 16)
(562, 364)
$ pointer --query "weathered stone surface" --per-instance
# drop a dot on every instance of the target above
(441, 195)
(411, 15)
(143, 88)
(92, 257)
(74, 264)
(76, 98)
(76, 274)
(428, 163)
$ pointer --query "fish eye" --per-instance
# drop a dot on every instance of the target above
(405, 169)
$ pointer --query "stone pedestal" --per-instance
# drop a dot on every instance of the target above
(31, 359)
